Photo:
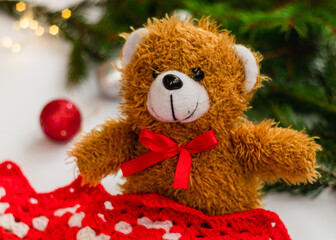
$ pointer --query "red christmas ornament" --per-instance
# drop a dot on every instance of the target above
(60, 120)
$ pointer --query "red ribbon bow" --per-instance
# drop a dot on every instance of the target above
(163, 148)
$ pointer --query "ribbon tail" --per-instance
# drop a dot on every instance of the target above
(142, 162)
(183, 170)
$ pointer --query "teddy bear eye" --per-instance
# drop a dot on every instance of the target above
(155, 73)
(197, 74)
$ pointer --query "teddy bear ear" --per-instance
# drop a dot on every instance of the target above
(130, 46)
(250, 66)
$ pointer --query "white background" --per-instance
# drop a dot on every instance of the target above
(36, 75)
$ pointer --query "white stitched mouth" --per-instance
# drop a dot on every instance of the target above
(173, 112)
(191, 113)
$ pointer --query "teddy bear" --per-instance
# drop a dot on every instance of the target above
(182, 132)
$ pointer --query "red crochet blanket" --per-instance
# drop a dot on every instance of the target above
(90, 213)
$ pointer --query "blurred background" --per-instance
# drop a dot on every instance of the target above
(53, 49)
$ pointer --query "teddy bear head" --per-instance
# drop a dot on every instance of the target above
(186, 74)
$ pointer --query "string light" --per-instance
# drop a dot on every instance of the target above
(53, 30)
(16, 48)
(20, 6)
(28, 21)
(39, 31)
(7, 42)
(33, 24)
(66, 13)
(24, 23)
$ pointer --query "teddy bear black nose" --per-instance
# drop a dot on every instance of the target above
(172, 82)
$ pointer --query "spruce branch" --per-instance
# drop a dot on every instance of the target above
(77, 64)
(302, 100)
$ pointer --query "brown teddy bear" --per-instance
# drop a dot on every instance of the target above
(182, 133)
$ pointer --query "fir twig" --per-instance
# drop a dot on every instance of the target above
(77, 64)
(303, 101)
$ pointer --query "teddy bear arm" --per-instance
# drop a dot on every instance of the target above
(101, 151)
(272, 152)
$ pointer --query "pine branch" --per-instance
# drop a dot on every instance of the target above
(303, 101)
(77, 66)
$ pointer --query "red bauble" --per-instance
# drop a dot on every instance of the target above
(60, 120)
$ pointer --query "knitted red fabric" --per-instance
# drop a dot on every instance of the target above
(82, 212)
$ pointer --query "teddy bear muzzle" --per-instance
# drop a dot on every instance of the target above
(175, 97)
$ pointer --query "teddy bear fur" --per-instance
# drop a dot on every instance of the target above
(225, 179)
